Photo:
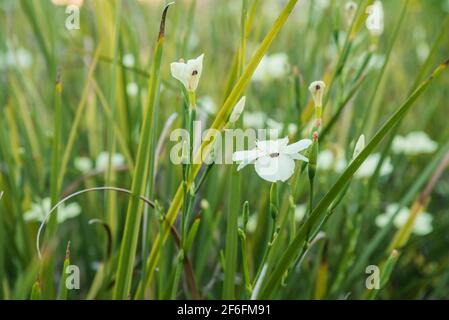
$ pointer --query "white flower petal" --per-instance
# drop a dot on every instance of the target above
(298, 156)
(269, 146)
(68, 212)
(193, 72)
(274, 169)
(245, 155)
(179, 72)
(297, 146)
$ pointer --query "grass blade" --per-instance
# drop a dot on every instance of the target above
(140, 176)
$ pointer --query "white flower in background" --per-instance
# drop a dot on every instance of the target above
(300, 212)
(350, 11)
(422, 225)
(83, 164)
(292, 129)
(422, 51)
(275, 128)
(415, 143)
(375, 19)
(132, 89)
(238, 110)
(254, 119)
(128, 60)
(273, 66)
(325, 160)
(188, 73)
(274, 159)
(204, 204)
(24, 58)
(329, 160)
(194, 41)
(207, 104)
(20, 58)
(422, 47)
(102, 160)
(368, 167)
(40, 209)
(252, 223)
(77, 3)
(259, 120)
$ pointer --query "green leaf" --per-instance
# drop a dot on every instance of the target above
(140, 177)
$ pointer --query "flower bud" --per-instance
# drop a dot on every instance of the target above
(238, 110)
(188, 73)
(359, 146)
(350, 11)
(316, 88)
(245, 214)
(375, 19)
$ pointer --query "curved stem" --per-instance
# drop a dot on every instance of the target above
(44, 222)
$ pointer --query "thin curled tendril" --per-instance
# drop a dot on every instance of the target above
(70, 196)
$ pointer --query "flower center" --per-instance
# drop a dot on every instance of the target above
(274, 155)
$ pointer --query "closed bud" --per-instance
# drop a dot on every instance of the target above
(316, 88)
(237, 111)
(359, 146)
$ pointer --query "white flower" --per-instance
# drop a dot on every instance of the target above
(325, 160)
(368, 167)
(237, 111)
(292, 128)
(188, 73)
(132, 89)
(101, 164)
(300, 212)
(422, 51)
(252, 223)
(83, 164)
(128, 60)
(375, 19)
(40, 209)
(316, 88)
(254, 119)
(422, 225)
(415, 143)
(273, 66)
(328, 160)
(273, 159)
(19, 57)
(204, 204)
